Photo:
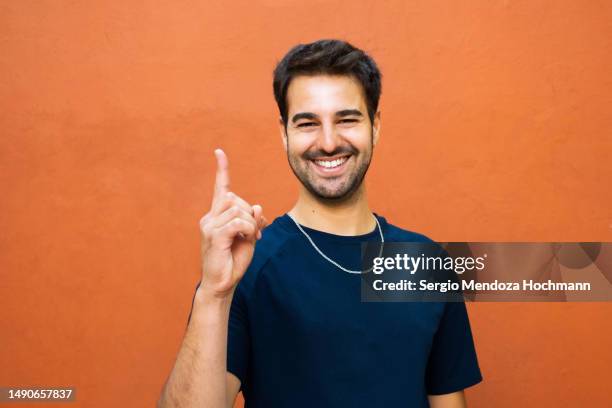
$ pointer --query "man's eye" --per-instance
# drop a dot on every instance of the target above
(306, 124)
(348, 121)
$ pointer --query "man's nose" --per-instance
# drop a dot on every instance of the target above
(330, 139)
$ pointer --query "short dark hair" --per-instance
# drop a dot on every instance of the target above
(332, 57)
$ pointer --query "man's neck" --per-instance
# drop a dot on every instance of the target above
(350, 217)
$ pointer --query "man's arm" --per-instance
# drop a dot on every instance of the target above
(199, 377)
(452, 400)
(229, 231)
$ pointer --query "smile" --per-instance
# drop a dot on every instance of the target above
(331, 164)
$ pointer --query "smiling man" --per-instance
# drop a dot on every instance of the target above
(331, 170)
(278, 313)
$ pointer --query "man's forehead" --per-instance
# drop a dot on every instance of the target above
(324, 94)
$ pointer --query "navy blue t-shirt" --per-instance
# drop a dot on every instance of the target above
(300, 336)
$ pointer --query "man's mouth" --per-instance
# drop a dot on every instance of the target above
(331, 166)
(331, 163)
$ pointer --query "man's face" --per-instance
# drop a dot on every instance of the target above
(329, 137)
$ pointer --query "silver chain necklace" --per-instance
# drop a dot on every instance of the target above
(382, 240)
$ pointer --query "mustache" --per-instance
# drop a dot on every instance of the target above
(320, 154)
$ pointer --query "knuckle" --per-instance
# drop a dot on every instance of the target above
(204, 219)
(206, 232)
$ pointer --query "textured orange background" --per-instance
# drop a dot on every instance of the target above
(496, 126)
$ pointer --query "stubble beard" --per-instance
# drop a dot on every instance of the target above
(346, 189)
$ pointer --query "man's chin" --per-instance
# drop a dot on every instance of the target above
(332, 190)
(335, 195)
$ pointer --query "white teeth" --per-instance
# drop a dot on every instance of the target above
(330, 164)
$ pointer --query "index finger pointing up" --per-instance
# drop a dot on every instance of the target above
(222, 178)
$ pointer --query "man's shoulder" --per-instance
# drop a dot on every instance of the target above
(395, 233)
(274, 237)
(425, 243)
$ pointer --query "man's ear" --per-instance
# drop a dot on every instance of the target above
(376, 128)
(283, 132)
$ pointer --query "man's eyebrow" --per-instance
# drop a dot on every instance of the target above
(303, 115)
(341, 113)
(349, 112)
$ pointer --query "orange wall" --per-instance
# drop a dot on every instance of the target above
(496, 126)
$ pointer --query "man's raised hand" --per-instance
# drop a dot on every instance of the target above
(228, 235)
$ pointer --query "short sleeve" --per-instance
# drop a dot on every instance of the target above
(452, 364)
(238, 337)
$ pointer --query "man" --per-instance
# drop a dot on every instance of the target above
(278, 312)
